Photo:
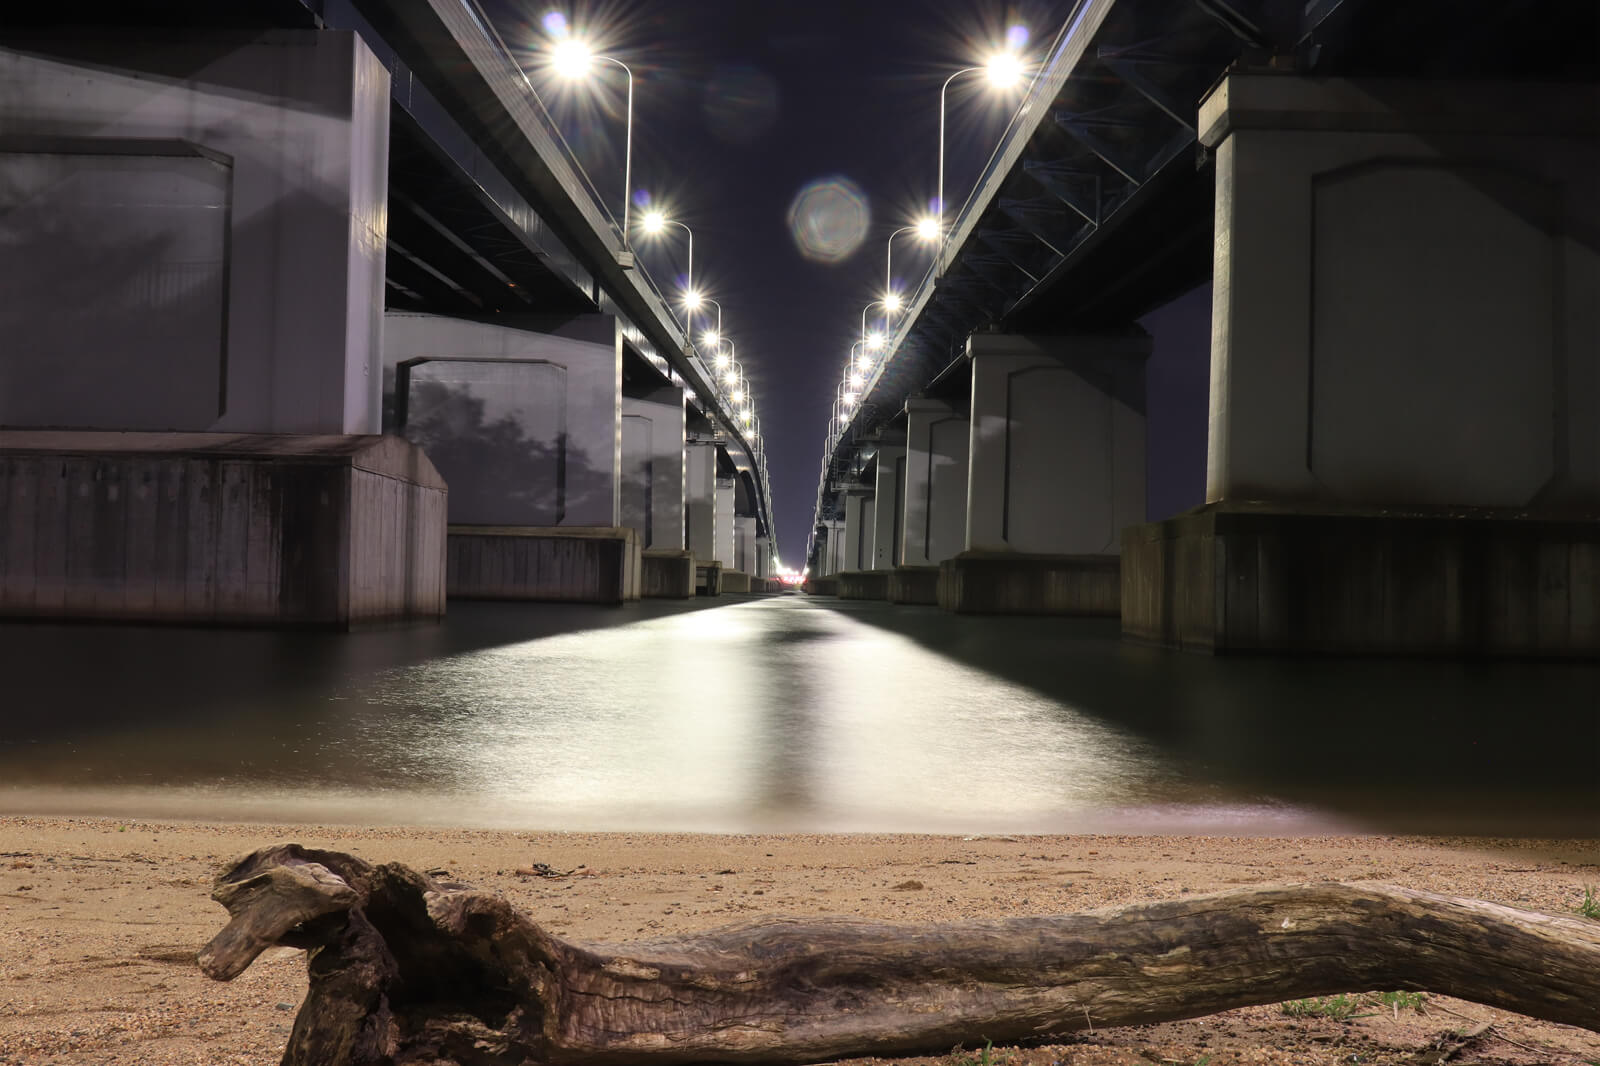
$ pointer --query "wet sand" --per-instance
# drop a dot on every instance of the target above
(100, 920)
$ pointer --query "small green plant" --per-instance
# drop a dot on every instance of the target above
(1343, 1008)
(1399, 1001)
(1338, 1008)
(1590, 907)
(982, 1058)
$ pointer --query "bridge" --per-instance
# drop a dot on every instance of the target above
(312, 318)
(1396, 207)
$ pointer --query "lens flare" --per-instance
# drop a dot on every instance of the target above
(829, 218)
(874, 341)
(555, 24)
(928, 228)
(1016, 38)
(723, 360)
(653, 221)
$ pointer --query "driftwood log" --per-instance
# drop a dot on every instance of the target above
(405, 969)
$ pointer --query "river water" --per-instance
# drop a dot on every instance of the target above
(783, 714)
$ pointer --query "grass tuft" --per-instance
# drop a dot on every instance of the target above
(1590, 906)
(1343, 1008)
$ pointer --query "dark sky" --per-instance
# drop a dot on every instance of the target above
(739, 104)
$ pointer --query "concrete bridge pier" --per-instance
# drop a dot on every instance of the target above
(824, 580)
(524, 420)
(857, 579)
(700, 514)
(1404, 443)
(934, 498)
(653, 488)
(193, 279)
(1055, 471)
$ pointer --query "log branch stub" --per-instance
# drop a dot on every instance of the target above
(407, 969)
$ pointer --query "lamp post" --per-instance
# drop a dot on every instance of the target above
(926, 229)
(709, 338)
(654, 222)
(1003, 70)
(573, 59)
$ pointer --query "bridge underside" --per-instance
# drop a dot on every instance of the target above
(1108, 213)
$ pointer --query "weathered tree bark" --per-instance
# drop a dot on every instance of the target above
(407, 970)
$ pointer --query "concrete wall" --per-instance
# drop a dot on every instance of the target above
(219, 528)
(937, 442)
(700, 490)
(194, 236)
(859, 516)
(525, 425)
(1404, 307)
(745, 546)
(1057, 442)
(567, 564)
(724, 537)
(889, 507)
(653, 485)
(1244, 578)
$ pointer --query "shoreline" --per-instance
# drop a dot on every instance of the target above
(100, 918)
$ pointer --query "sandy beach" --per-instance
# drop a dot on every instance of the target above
(100, 920)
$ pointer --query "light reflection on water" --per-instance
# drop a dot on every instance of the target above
(775, 714)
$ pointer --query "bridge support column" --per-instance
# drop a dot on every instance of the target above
(889, 506)
(857, 579)
(934, 526)
(653, 494)
(526, 427)
(194, 260)
(1404, 450)
(726, 537)
(1056, 470)
(700, 489)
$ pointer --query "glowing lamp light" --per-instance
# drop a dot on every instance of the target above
(654, 221)
(928, 228)
(738, 396)
(874, 341)
(710, 336)
(891, 301)
(857, 380)
(1004, 69)
(849, 400)
(864, 362)
(692, 300)
(729, 378)
(723, 359)
(572, 58)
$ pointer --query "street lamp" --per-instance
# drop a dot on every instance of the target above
(926, 229)
(573, 60)
(654, 222)
(1003, 70)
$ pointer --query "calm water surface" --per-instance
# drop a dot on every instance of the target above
(783, 713)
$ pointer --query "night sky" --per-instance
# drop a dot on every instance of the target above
(739, 106)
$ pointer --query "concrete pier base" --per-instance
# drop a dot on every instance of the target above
(979, 582)
(1237, 578)
(914, 584)
(822, 586)
(735, 581)
(864, 585)
(206, 528)
(707, 578)
(569, 564)
(667, 575)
